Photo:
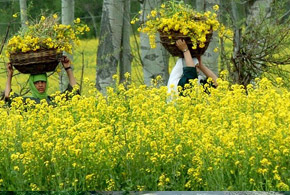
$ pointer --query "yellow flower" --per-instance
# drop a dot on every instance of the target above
(153, 13)
(177, 17)
(15, 15)
(279, 80)
(78, 20)
(89, 177)
(262, 171)
(216, 7)
(115, 76)
(252, 181)
(16, 168)
(265, 162)
(127, 75)
(282, 187)
(58, 36)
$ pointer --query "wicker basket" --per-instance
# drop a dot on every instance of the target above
(169, 44)
(36, 62)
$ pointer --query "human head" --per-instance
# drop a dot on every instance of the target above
(39, 81)
(38, 85)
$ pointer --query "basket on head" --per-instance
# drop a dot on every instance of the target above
(170, 44)
(35, 62)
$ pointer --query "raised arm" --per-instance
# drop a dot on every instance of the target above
(208, 73)
(67, 66)
(182, 46)
(9, 80)
(189, 72)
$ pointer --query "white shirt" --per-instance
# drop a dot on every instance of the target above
(177, 73)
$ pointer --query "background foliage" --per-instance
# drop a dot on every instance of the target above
(89, 11)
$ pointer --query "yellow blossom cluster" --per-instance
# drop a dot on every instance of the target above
(46, 33)
(176, 16)
(137, 138)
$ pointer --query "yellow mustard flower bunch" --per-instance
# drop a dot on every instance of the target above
(47, 33)
(176, 16)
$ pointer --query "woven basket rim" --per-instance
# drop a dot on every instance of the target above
(170, 46)
(34, 52)
(35, 57)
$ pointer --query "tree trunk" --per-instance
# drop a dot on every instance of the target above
(210, 58)
(225, 7)
(258, 7)
(237, 16)
(67, 17)
(200, 5)
(125, 61)
(112, 43)
(155, 61)
(23, 12)
(257, 11)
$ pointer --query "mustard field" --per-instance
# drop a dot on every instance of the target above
(140, 138)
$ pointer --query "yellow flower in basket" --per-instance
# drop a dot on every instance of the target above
(42, 42)
(174, 20)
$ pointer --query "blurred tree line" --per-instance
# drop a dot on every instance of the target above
(89, 11)
(260, 42)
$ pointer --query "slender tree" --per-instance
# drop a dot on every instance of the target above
(238, 15)
(155, 61)
(23, 12)
(125, 55)
(67, 17)
(256, 11)
(256, 8)
(114, 47)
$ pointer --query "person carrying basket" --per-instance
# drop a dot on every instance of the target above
(38, 83)
(187, 69)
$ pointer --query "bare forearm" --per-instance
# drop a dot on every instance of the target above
(8, 86)
(182, 46)
(188, 59)
(71, 78)
(208, 73)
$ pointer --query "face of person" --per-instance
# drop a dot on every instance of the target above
(40, 86)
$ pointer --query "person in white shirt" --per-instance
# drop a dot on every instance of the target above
(187, 68)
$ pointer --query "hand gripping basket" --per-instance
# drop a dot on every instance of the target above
(35, 62)
(170, 44)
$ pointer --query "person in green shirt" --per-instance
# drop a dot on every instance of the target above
(38, 83)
